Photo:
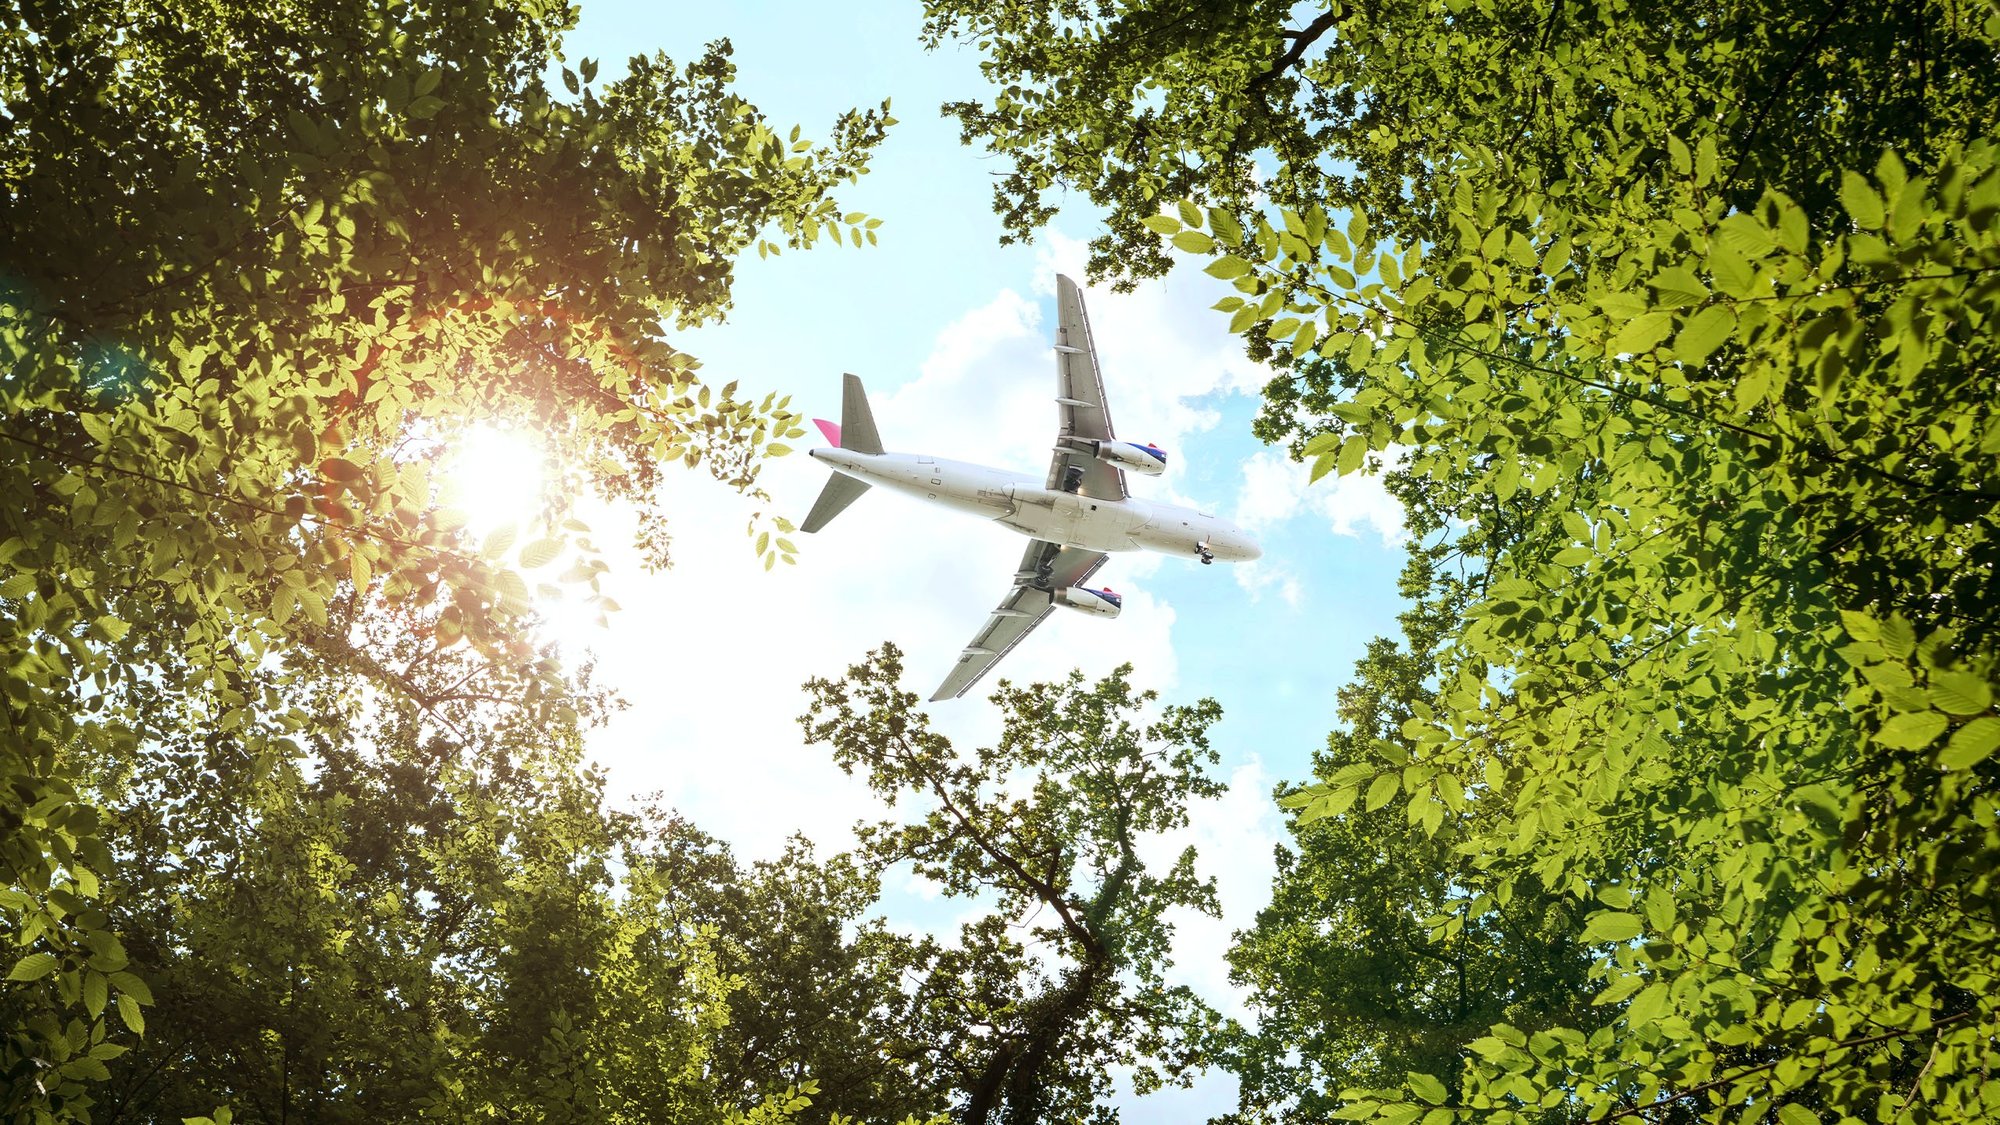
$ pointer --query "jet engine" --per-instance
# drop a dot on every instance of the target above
(1097, 603)
(1148, 459)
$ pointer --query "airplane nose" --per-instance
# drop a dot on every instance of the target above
(1251, 551)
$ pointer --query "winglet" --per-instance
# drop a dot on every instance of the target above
(831, 431)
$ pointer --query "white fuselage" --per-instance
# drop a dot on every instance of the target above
(1019, 501)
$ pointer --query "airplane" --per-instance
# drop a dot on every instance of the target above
(1073, 518)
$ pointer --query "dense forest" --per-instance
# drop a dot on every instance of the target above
(1672, 327)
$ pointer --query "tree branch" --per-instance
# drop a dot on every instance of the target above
(1302, 40)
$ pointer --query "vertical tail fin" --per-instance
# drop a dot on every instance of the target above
(857, 422)
(856, 432)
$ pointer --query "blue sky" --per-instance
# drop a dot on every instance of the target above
(951, 332)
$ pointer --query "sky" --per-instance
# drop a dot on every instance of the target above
(951, 333)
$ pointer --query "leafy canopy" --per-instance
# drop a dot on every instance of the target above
(262, 262)
(402, 925)
(1683, 313)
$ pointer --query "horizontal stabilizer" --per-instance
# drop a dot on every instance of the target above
(840, 491)
(857, 422)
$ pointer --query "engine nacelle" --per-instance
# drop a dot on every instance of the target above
(1097, 603)
(1148, 459)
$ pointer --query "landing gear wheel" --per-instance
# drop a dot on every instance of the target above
(1207, 556)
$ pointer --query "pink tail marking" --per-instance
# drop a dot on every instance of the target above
(831, 431)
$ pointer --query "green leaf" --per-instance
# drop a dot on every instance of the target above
(1381, 790)
(1753, 388)
(1679, 156)
(1677, 286)
(34, 966)
(1611, 925)
(513, 589)
(1648, 1005)
(1912, 731)
(1352, 452)
(1704, 332)
(1961, 693)
(1643, 334)
(341, 469)
(1164, 224)
(1792, 1113)
(85, 1067)
(111, 629)
(128, 1010)
(1620, 989)
(1327, 442)
(95, 993)
(1303, 797)
(541, 552)
(497, 543)
(1427, 1087)
(1190, 214)
(1227, 267)
(1332, 804)
(131, 984)
(1194, 242)
(1863, 205)
(1971, 744)
(1898, 638)
(17, 585)
(1860, 626)
(1744, 235)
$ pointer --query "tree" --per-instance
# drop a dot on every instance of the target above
(822, 997)
(1136, 103)
(398, 925)
(1685, 311)
(262, 264)
(1047, 826)
(1348, 986)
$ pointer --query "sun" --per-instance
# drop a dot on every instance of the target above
(495, 476)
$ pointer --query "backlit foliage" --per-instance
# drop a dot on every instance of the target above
(260, 261)
(1679, 323)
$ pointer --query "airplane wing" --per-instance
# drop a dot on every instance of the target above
(1083, 416)
(1045, 568)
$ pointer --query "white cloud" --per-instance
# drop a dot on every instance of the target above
(1273, 491)
(1258, 578)
(1276, 490)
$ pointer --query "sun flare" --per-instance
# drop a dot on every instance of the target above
(495, 476)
